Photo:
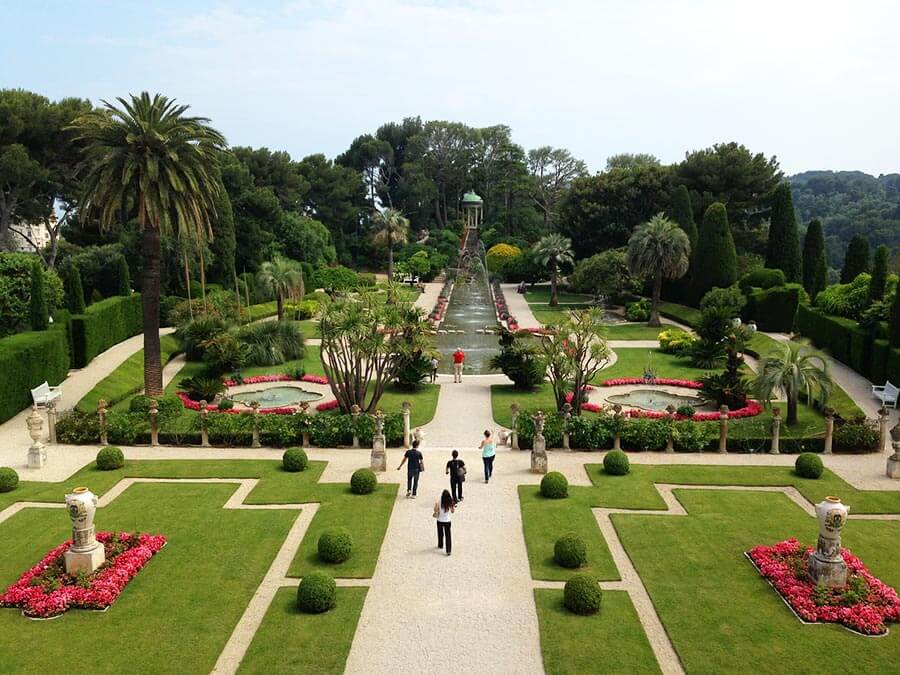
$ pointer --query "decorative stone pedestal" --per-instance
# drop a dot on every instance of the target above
(37, 453)
(893, 462)
(826, 566)
(539, 446)
(86, 553)
(378, 459)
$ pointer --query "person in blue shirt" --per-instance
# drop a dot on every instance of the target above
(415, 464)
(487, 454)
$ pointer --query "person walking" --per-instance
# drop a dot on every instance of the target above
(487, 454)
(459, 358)
(442, 511)
(456, 469)
(415, 464)
(434, 368)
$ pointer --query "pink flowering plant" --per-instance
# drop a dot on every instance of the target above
(864, 605)
(46, 591)
(672, 382)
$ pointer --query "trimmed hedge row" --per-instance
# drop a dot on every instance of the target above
(26, 360)
(103, 325)
(774, 309)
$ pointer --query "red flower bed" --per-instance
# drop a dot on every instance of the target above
(688, 384)
(864, 605)
(282, 377)
(587, 407)
(46, 590)
(752, 409)
(327, 405)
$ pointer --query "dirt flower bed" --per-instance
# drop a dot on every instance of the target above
(46, 591)
(864, 605)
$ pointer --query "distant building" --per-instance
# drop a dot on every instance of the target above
(36, 232)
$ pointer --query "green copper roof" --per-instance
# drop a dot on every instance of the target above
(471, 198)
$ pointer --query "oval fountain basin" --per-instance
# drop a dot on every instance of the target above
(655, 399)
(276, 397)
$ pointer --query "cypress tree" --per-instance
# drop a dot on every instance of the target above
(894, 327)
(222, 243)
(683, 214)
(74, 289)
(716, 257)
(783, 248)
(815, 269)
(123, 277)
(879, 274)
(40, 318)
(856, 260)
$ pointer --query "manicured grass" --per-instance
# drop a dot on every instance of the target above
(632, 361)
(310, 328)
(291, 641)
(688, 316)
(634, 331)
(127, 379)
(504, 395)
(707, 593)
(424, 402)
(541, 294)
(611, 641)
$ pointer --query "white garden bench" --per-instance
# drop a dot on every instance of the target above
(887, 394)
(44, 394)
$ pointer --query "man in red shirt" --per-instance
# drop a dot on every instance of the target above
(459, 357)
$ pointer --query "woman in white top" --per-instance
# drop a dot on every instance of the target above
(442, 511)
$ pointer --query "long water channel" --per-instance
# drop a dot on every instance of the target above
(470, 309)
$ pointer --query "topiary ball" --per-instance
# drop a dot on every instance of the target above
(294, 459)
(809, 465)
(9, 479)
(316, 593)
(363, 481)
(616, 463)
(570, 551)
(582, 595)
(554, 486)
(110, 458)
(335, 545)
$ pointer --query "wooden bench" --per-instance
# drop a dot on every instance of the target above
(44, 394)
(887, 394)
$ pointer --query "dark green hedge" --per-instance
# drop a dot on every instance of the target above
(26, 360)
(833, 333)
(103, 325)
(774, 309)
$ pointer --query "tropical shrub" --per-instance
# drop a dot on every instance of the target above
(9, 479)
(554, 486)
(294, 459)
(224, 353)
(616, 463)
(363, 481)
(570, 551)
(317, 593)
(110, 458)
(520, 360)
(582, 594)
(808, 465)
(335, 545)
(270, 343)
(192, 335)
(638, 311)
(202, 388)
(676, 341)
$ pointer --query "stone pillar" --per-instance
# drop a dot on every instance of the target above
(539, 446)
(670, 441)
(255, 416)
(893, 462)
(617, 422)
(37, 454)
(354, 415)
(829, 430)
(514, 434)
(406, 429)
(723, 429)
(567, 420)
(304, 408)
(776, 431)
(378, 459)
(204, 430)
(154, 422)
(51, 420)
(884, 434)
(101, 417)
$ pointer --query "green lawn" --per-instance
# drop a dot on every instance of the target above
(215, 558)
(631, 362)
(291, 641)
(611, 641)
(634, 331)
(688, 316)
(504, 395)
(541, 294)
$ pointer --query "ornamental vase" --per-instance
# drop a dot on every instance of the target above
(82, 505)
(831, 515)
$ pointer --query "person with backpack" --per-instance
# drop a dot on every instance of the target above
(434, 368)
(442, 511)
(415, 466)
(456, 469)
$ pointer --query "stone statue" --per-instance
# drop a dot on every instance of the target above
(86, 553)
(826, 566)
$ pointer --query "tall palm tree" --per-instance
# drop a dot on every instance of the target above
(792, 369)
(554, 251)
(146, 157)
(284, 278)
(391, 228)
(659, 249)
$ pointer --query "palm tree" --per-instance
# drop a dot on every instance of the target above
(146, 157)
(553, 251)
(284, 278)
(391, 228)
(793, 369)
(659, 249)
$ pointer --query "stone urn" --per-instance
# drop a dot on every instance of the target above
(826, 566)
(86, 553)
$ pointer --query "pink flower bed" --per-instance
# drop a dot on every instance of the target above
(688, 384)
(282, 377)
(191, 404)
(327, 405)
(752, 409)
(864, 605)
(587, 407)
(46, 590)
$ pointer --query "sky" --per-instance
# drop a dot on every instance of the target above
(816, 84)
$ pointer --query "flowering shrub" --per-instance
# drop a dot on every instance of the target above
(46, 590)
(865, 604)
(587, 407)
(752, 409)
(688, 384)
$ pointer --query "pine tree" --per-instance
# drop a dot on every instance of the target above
(856, 261)
(716, 257)
(74, 289)
(815, 269)
(879, 274)
(123, 277)
(683, 214)
(783, 248)
(40, 318)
